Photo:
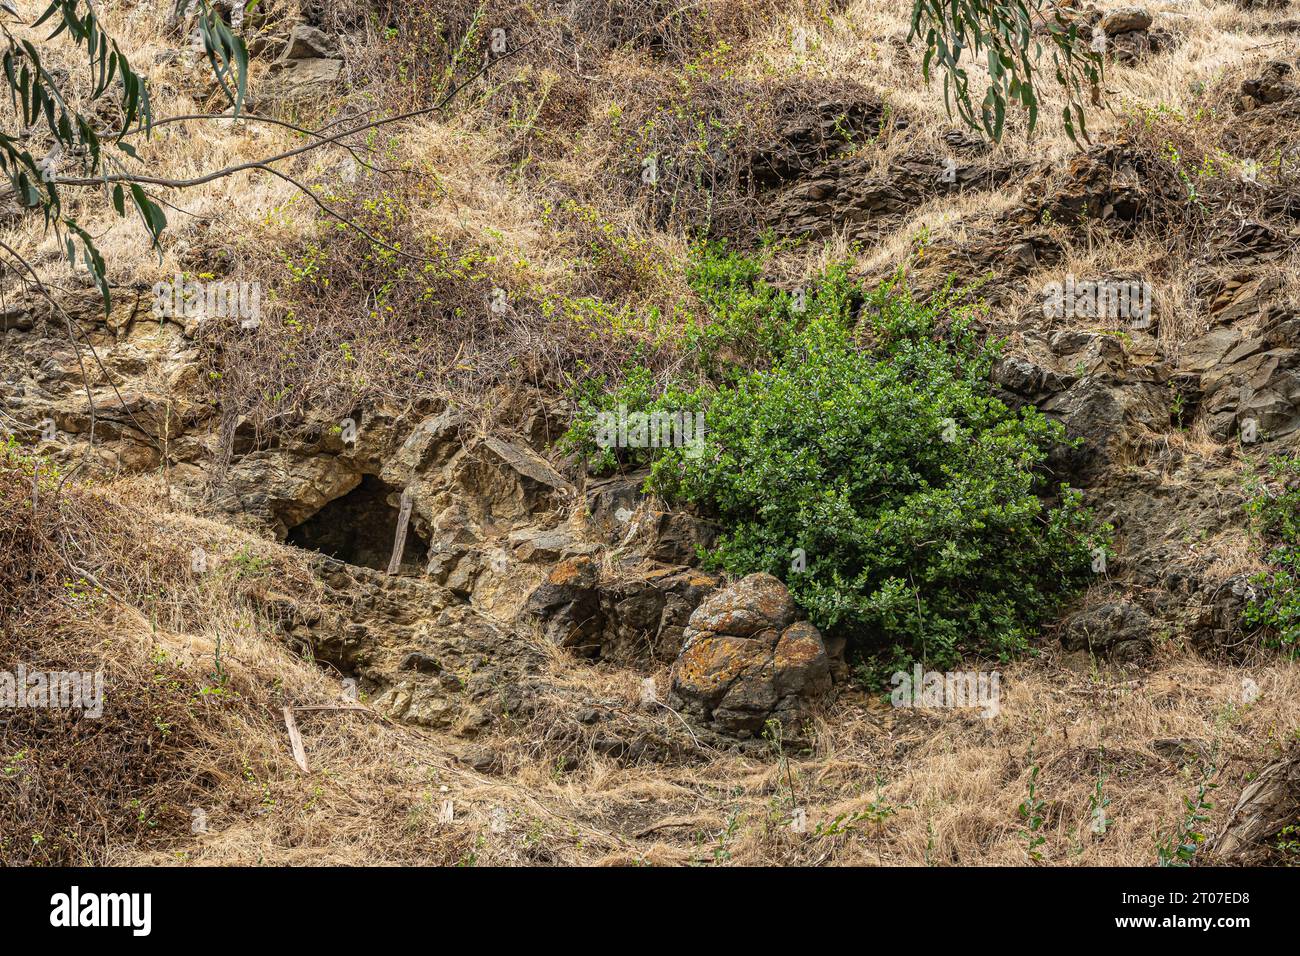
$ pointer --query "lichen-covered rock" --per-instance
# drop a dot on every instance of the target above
(747, 660)
(568, 605)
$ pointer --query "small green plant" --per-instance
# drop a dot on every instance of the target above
(722, 846)
(1179, 847)
(1097, 804)
(13, 763)
(246, 564)
(1031, 812)
(1177, 404)
(1288, 844)
(787, 803)
(878, 811)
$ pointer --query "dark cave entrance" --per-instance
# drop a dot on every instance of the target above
(360, 528)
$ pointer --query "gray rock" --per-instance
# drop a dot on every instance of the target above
(1106, 626)
(309, 43)
(302, 80)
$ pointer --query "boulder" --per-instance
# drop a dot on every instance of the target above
(302, 80)
(1125, 20)
(1118, 630)
(308, 43)
(747, 660)
(1276, 83)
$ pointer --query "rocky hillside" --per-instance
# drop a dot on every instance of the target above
(302, 493)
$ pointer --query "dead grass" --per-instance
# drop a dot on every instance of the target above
(534, 177)
(882, 787)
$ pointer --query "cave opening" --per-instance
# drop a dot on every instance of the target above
(360, 528)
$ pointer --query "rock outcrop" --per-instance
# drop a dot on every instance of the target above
(308, 67)
(748, 660)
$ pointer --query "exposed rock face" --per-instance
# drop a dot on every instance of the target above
(1121, 631)
(846, 195)
(308, 67)
(302, 80)
(640, 614)
(308, 43)
(1275, 84)
(747, 660)
(568, 602)
(424, 656)
(812, 136)
(1125, 20)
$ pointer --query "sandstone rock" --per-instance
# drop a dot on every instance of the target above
(421, 655)
(1125, 20)
(756, 603)
(620, 513)
(432, 442)
(528, 463)
(283, 490)
(746, 660)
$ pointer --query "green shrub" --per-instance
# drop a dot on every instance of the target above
(869, 466)
(1276, 518)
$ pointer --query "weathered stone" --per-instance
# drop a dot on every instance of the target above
(746, 661)
(1125, 20)
(844, 195)
(301, 81)
(308, 43)
(811, 136)
(568, 606)
(1276, 83)
(757, 603)
(1268, 804)
(528, 463)
(1100, 628)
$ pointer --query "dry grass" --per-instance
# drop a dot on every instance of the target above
(533, 179)
(907, 788)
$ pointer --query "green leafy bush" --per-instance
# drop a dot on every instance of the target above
(868, 465)
(1276, 518)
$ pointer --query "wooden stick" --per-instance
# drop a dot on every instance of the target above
(295, 740)
(399, 545)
